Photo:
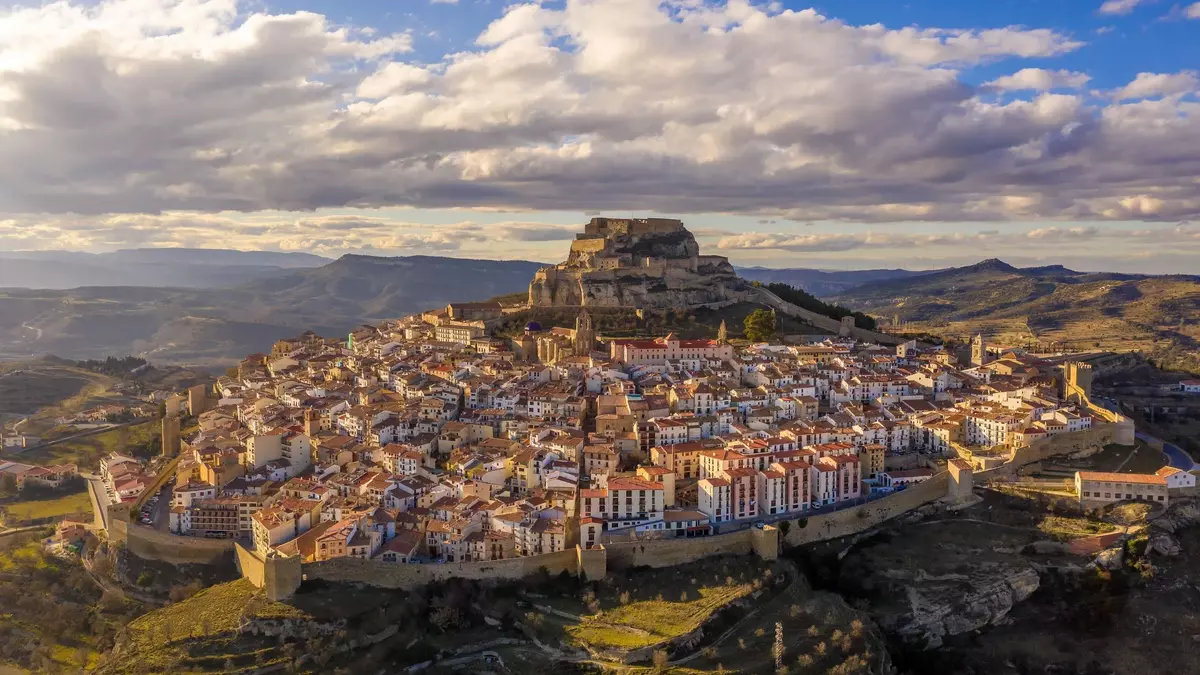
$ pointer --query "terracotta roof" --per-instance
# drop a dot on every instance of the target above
(1106, 477)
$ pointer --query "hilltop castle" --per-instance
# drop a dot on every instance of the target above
(647, 263)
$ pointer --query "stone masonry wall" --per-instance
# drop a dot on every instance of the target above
(1062, 444)
(399, 575)
(154, 545)
(671, 552)
(859, 519)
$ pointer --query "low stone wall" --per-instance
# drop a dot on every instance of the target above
(854, 520)
(17, 536)
(399, 575)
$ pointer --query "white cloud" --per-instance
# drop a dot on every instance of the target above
(831, 242)
(208, 105)
(1063, 233)
(1146, 85)
(1119, 6)
(1192, 11)
(1040, 79)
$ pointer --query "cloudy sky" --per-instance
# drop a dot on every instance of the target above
(845, 134)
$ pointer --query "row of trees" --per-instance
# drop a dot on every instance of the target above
(114, 366)
(805, 300)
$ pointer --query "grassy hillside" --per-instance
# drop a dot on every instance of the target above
(53, 617)
(141, 439)
(27, 387)
(1157, 315)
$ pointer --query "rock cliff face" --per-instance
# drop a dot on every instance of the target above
(956, 606)
(652, 263)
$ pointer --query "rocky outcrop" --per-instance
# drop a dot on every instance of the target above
(650, 263)
(1180, 514)
(941, 607)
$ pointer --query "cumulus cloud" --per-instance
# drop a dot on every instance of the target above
(1192, 11)
(1040, 79)
(1146, 85)
(1119, 6)
(212, 105)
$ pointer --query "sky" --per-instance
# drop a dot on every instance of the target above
(840, 135)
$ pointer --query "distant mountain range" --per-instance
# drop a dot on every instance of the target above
(1159, 315)
(211, 325)
(209, 307)
(154, 267)
(823, 283)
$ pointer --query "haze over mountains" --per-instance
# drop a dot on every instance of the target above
(157, 267)
(208, 307)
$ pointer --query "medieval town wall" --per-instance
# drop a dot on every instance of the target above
(862, 518)
(404, 576)
(671, 552)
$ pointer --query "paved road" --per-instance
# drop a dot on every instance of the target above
(162, 510)
(1176, 456)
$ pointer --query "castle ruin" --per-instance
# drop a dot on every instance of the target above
(647, 263)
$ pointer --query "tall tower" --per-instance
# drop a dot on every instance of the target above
(722, 333)
(585, 334)
(170, 436)
(979, 355)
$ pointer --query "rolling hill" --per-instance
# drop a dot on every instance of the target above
(824, 283)
(1159, 315)
(209, 326)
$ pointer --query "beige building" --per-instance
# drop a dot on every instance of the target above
(461, 332)
(1097, 487)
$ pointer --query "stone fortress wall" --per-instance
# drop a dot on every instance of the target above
(824, 322)
(148, 543)
(603, 227)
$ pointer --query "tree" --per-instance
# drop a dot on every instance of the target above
(760, 325)
(8, 484)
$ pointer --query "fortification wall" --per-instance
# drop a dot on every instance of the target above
(590, 245)
(397, 575)
(671, 552)
(165, 475)
(1062, 444)
(854, 520)
(154, 545)
(252, 567)
(824, 322)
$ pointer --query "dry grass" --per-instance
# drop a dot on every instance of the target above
(86, 452)
(202, 630)
(1067, 527)
(77, 504)
(647, 622)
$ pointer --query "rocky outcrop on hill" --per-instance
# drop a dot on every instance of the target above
(1181, 514)
(937, 607)
(644, 263)
(934, 580)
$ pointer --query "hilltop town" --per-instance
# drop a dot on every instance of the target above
(425, 439)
